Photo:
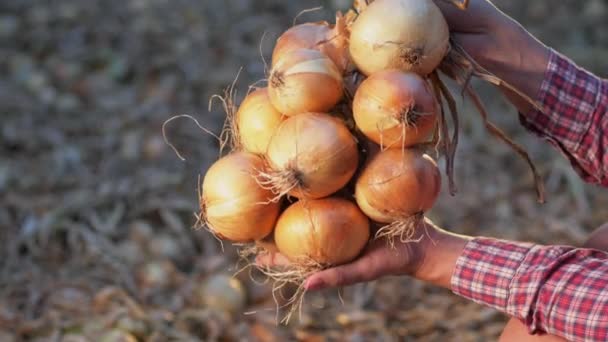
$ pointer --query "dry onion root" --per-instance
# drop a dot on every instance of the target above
(303, 81)
(395, 109)
(396, 188)
(231, 200)
(461, 67)
(311, 155)
(315, 235)
(250, 126)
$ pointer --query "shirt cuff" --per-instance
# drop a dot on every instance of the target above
(485, 270)
(569, 96)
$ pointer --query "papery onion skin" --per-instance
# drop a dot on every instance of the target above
(330, 231)
(315, 36)
(397, 184)
(305, 81)
(410, 35)
(395, 109)
(319, 149)
(233, 204)
(257, 121)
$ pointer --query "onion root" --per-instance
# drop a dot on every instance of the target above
(404, 230)
(280, 182)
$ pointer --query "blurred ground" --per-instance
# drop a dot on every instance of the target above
(96, 212)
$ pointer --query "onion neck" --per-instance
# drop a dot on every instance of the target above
(408, 115)
(277, 79)
(412, 56)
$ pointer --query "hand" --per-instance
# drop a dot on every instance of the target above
(481, 29)
(432, 259)
(499, 44)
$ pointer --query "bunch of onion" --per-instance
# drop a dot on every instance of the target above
(313, 235)
(233, 205)
(310, 156)
(304, 80)
(296, 150)
(396, 187)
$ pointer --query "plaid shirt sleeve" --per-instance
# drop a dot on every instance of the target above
(552, 289)
(575, 117)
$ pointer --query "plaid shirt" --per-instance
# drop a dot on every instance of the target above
(552, 289)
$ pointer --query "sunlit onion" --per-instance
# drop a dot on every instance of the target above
(257, 120)
(312, 155)
(329, 231)
(234, 206)
(332, 40)
(397, 184)
(304, 81)
(410, 35)
(395, 109)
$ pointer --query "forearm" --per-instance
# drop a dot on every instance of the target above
(517, 58)
(574, 102)
(554, 289)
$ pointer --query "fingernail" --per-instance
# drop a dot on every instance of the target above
(315, 284)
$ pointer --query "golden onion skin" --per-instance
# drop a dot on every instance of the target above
(305, 81)
(409, 35)
(257, 120)
(315, 36)
(395, 109)
(234, 205)
(319, 149)
(330, 231)
(397, 184)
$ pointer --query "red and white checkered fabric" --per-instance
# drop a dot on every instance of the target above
(552, 289)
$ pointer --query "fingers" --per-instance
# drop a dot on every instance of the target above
(271, 260)
(345, 275)
(373, 264)
(474, 19)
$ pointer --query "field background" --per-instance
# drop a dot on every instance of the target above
(96, 212)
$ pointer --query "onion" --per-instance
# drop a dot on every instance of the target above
(312, 155)
(330, 40)
(410, 35)
(222, 292)
(395, 109)
(398, 184)
(329, 231)
(304, 81)
(256, 121)
(116, 335)
(233, 204)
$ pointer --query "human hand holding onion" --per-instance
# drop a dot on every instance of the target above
(430, 258)
(299, 175)
(500, 45)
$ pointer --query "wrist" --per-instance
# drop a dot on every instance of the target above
(518, 59)
(438, 253)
